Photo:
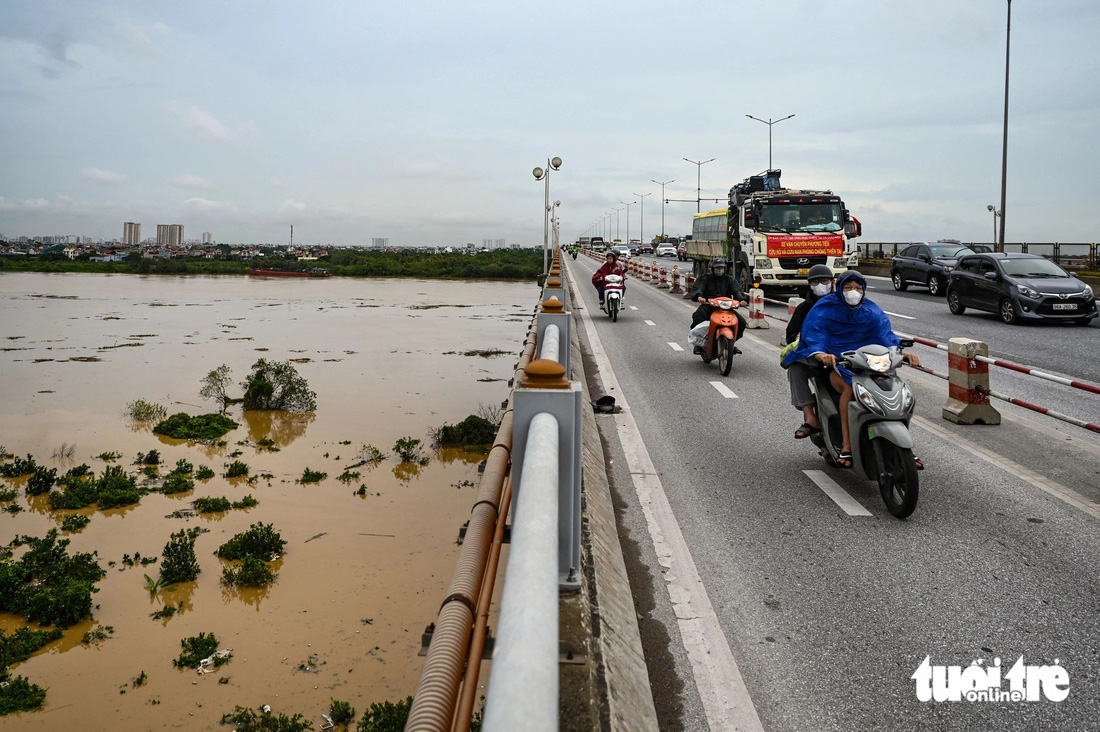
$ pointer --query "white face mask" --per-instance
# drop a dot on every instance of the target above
(821, 290)
(853, 297)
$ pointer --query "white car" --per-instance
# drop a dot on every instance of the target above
(623, 252)
(666, 250)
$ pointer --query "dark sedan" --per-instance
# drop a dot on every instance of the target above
(924, 264)
(1019, 287)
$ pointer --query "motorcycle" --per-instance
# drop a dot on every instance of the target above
(613, 288)
(878, 417)
(574, 253)
(721, 333)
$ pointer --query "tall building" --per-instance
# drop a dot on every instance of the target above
(382, 242)
(207, 237)
(169, 235)
(131, 234)
(500, 243)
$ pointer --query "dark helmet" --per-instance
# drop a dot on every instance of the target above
(820, 272)
(612, 253)
(718, 263)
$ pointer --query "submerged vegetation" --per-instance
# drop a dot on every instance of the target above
(247, 719)
(261, 541)
(182, 426)
(47, 585)
(113, 489)
(197, 648)
(140, 410)
(179, 562)
(277, 385)
(472, 432)
(408, 449)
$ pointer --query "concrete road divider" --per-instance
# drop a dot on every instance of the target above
(968, 393)
(756, 310)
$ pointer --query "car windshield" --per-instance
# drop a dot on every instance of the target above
(802, 216)
(950, 251)
(1032, 267)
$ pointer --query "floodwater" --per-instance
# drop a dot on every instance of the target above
(361, 576)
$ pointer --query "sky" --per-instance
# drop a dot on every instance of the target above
(421, 122)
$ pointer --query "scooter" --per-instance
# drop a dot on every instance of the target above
(574, 253)
(721, 334)
(613, 289)
(878, 416)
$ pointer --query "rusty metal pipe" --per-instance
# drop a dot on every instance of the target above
(481, 619)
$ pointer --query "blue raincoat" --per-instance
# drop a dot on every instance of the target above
(833, 326)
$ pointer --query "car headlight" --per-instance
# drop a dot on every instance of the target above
(840, 262)
(1088, 293)
(1028, 292)
(868, 401)
(763, 264)
(947, 268)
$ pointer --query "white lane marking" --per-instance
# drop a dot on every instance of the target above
(632, 307)
(841, 497)
(899, 315)
(723, 390)
(650, 322)
(722, 690)
(675, 346)
(1041, 482)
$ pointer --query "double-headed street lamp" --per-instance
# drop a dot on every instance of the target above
(663, 202)
(698, 178)
(996, 213)
(540, 174)
(641, 215)
(769, 122)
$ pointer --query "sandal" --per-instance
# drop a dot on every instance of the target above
(919, 462)
(805, 431)
(844, 460)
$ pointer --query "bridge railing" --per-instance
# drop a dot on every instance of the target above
(1071, 255)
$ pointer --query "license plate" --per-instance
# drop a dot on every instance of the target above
(804, 272)
(1065, 306)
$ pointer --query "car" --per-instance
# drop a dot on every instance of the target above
(681, 251)
(1019, 287)
(926, 264)
(666, 250)
(647, 248)
(622, 250)
(981, 248)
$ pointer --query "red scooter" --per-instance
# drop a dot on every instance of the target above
(721, 333)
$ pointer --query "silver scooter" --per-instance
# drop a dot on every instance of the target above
(878, 416)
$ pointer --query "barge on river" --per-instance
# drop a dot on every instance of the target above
(311, 272)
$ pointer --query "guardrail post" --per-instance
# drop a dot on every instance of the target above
(756, 310)
(553, 313)
(555, 288)
(792, 305)
(675, 289)
(544, 388)
(968, 393)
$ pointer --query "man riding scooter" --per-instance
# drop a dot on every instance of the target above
(610, 266)
(716, 283)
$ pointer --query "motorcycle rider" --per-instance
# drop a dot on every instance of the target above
(799, 373)
(610, 266)
(844, 321)
(716, 283)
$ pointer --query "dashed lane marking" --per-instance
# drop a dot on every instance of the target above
(723, 390)
(899, 315)
(675, 346)
(632, 307)
(650, 322)
(841, 497)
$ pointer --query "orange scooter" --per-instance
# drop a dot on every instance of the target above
(721, 334)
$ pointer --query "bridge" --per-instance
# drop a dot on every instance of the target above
(729, 579)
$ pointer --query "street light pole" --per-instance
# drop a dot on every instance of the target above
(641, 215)
(540, 174)
(698, 178)
(1004, 150)
(663, 202)
(769, 123)
(628, 205)
(616, 210)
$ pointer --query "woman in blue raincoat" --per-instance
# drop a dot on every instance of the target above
(844, 321)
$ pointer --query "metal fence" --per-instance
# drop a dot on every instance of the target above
(1075, 256)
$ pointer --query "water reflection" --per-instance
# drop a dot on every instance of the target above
(448, 455)
(406, 471)
(282, 427)
(249, 595)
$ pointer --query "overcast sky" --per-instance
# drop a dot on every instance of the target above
(421, 121)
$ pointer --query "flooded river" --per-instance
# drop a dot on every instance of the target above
(361, 574)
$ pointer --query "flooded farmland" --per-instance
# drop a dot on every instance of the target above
(367, 558)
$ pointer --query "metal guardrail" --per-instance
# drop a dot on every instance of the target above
(1071, 255)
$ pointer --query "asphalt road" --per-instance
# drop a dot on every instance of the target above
(829, 615)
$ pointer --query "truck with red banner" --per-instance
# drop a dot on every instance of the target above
(773, 235)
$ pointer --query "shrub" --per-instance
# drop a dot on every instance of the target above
(48, 586)
(75, 522)
(246, 502)
(177, 483)
(148, 458)
(312, 476)
(209, 504)
(19, 695)
(274, 385)
(341, 712)
(385, 717)
(215, 386)
(183, 467)
(22, 642)
(181, 426)
(8, 494)
(204, 473)
(143, 411)
(116, 488)
(260, 541)
(41, 481)
(195, 649)
(474, 431)
(252, 572)
(179, 563)
(371, 454)
(408, 449)
(247, 719)
(235, 469)
(18, 467)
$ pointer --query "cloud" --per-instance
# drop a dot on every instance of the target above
(192, 181)
(291, 206)
(205, 204)
(199, 120)
(150, 42)
(103, 177)
(432, 170)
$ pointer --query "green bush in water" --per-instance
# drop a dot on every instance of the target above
(182, 426)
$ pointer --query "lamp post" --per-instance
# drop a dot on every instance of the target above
(616, 210)
(641, 215)
(628, 205)
(996, 213)
(555, 221)
(540, 174)
(1000, 245)
(769, 123)
(698, 178)
(663, 202)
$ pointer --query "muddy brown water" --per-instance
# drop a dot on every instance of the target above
(361, 575)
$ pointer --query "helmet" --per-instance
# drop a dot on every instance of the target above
(718, 263)
(613, 254)
(819, 272)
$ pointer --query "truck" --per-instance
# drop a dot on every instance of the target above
(772, 235)
(597, 244)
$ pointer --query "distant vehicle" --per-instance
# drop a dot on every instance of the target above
(681, 251)
(647, 248)
(926, 264)
(635, 250)
(981, 248)
(597, 244)
(622, 249)
(666, 250)
(1019, 287)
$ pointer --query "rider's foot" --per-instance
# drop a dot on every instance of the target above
(698, 351)
(737, 350)
(844, 459)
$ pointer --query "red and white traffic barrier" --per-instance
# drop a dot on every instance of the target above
(654, 274)
(792, 304)
(756, 310)
(968, 391)
(689, 282)
(675, 289)
(663, 283)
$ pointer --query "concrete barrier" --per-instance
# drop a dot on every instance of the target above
(675, 289)
(968, 393)
(756, 310)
